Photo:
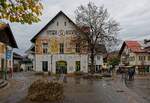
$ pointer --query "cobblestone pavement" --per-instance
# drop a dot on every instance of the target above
(78, 90)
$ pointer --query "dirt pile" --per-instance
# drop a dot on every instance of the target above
(44, 90)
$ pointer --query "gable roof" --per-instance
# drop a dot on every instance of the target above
(134, 46)
(51, 21)
(6, 35)
(30, 50)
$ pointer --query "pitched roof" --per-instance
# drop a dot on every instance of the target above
(6, 35)
(30, 50)
(134, 46)
(51, 21)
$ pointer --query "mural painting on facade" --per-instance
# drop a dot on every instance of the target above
(54, 45)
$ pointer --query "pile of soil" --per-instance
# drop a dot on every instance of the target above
(44, 90)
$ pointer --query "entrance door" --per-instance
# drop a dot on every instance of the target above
(61, 67)
(45, 66)
(77, 66)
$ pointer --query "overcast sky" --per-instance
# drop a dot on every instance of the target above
(133, 16)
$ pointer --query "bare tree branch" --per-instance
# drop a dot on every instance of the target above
(102, 28)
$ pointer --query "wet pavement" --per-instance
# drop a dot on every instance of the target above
(103, 91)
(141, 86)
(17, 88)
(78, 90)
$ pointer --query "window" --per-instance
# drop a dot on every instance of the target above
(132, 58)
(65, 23)
(98, 57)
(57, 23)
(69, 32)
(148, 58)
(61, 48)
(141, 58)
(97, 68)
(77, 48)
(52, 32)
(45, 48)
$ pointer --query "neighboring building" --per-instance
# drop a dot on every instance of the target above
(100, 56)
(31, 56)
(54, 50)
(135, 53)
(17, 59)
(26, 64)
(7, 43)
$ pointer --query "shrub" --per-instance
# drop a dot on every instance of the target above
(44, 90)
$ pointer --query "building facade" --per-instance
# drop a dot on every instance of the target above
(54, 49)
(3, 57)
(7, 43)
(135, 53)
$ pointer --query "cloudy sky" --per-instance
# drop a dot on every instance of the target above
(133, 16)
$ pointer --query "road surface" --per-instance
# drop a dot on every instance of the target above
(78, 90)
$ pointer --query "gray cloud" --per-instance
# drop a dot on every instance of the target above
(133, 16)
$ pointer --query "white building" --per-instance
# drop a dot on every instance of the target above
(54, 50)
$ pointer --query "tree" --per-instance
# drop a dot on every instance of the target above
(114, 61)
(23, 11)
(102, 29)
